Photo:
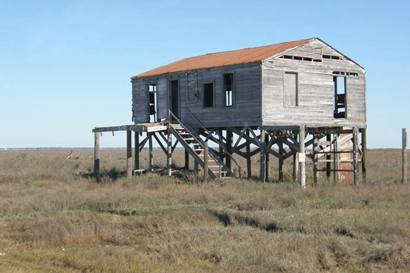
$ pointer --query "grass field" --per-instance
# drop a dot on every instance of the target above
(54, 218)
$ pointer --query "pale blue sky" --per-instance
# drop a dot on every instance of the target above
(65, 65)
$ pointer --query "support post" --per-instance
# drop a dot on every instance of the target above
(302, 156)
(129, 153)
(205, 178)
(335, 158)
(169, 152)
(295, 164)
(355, 152)
(248, 156)
(404, 156)
(97, 155)
(280, 160)
(262, 160)
(196, 167)
(136, 150)
(364, 154)
(315, 158)
(186, 160)
(229, 136)
(267, 157)
(151, 153)
(328, 156)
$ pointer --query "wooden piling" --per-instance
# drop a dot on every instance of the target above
(364, 154)
(355, 154)
(129, 153)
(151, 153)
(186, 165)
(262, 159)
(295, 164)
(97, 155)
(248, 156)
(280, 160)
(169, 152)
(267, 157)
(328, 156)
(404, 156)
(335, 158)
(205, 177)
(136, 151)
(302, 156)
(229, 137)
(315, 158)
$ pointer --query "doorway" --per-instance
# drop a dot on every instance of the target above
(174, 107)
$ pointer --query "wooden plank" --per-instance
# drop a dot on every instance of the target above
(229, 137)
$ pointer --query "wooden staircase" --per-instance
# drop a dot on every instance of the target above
(199, 150)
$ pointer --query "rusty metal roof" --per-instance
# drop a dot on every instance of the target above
(225, 58)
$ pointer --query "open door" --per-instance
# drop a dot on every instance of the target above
(174, 99)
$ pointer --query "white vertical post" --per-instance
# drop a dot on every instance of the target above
(302, 156)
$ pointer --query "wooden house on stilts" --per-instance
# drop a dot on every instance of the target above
(290, 100)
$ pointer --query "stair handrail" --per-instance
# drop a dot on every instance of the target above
(202, 126)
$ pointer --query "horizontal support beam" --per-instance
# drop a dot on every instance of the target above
(144, 127)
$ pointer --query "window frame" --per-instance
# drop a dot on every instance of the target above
(297, 96)
(213, 94)
(232, 91)
(335, 94)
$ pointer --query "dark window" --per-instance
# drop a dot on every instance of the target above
(152, 102)
(291, 89)
(228, 89)
(208, 95)
(339, 108)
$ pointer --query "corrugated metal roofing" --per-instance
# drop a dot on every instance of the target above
(218, 59)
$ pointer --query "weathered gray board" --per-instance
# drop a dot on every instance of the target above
(259, 92)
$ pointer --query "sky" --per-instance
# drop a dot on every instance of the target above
(65, 66)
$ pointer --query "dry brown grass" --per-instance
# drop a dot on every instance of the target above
(55, 219)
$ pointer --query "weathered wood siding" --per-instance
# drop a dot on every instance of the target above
(246, 110)
(315, 89)
(139, 101)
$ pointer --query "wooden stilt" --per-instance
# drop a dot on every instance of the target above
(335, 157)
(151, 153)
(404, 156)
(302, 156)
(364, 154)
(295, 164)
(205, 177)
(129, 153)
(196, 170)
(262, 160)
(169, 152)
(221, 149)
(355, 153)
(97, 155)
(229, 137)
(328, 156)
(280, 160)
(186, 165)
(267, 157)
(315, 158)
(136, 151)
(248, 156)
